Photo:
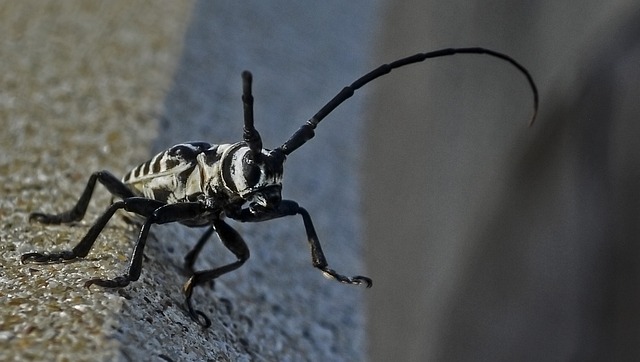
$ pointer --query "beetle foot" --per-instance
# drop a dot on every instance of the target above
(44, 218)
(196, 315)
(118, 282)
(356, 280)
(54, 219)
(43, 258)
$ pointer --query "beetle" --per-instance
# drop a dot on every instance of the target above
(199, 184)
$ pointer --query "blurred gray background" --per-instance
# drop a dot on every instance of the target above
(489, 240)
(486, 240)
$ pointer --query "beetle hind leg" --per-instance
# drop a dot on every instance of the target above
(112, 183)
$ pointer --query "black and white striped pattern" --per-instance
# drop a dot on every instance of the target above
(191, 171)
(168, 161)
(173, 175)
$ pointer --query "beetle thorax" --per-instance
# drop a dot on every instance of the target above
(243, 173)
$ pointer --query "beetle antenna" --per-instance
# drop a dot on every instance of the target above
(250, 134)
(306, 131)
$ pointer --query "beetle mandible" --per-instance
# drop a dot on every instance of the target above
(199, 184)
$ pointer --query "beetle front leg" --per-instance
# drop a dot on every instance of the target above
(290, 208)
(318, 258)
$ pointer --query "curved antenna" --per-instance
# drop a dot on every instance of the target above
(250, 135)
(306, 131)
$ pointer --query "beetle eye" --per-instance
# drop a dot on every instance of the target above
(251, 172)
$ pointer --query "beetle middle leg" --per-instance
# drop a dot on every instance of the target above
(234, 242)
(112, 183)
(138, 205)
(164, 213)
(192, 255)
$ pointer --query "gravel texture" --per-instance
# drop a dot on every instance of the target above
(89, 86)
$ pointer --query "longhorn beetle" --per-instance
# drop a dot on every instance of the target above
(198, 184)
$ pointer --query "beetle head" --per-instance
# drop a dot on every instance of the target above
(254, 176)
(257, 172)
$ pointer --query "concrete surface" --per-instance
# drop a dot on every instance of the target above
(89, 86)
(80, 84)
